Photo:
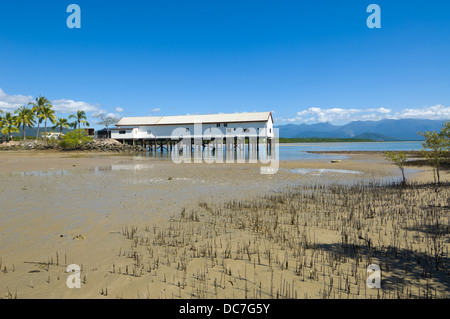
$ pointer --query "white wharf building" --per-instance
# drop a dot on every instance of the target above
(163, 127)
(151, 131)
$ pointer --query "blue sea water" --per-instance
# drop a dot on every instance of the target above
(305, 151)
(296, 151)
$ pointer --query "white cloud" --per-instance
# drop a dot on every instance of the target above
(342, 115)
(11, 102)
(155, 110)
(279, 119)
(71, 106)
(103, 114)
(114, 116)
(63, 106)
(316, 114)
(383, 110)
(436, 112)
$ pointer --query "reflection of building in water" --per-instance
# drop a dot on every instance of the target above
(121, 167)
(236, 136)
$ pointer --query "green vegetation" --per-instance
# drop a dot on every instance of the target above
(48, 114)
(1, 120)
(399, 159)
(8, 125)
(18, 138)
(25, 118)
(41, 111)
(323, 140)
(446, 132)
(80, 118)
(61, 123)
(74, 139)
(39, 108)
(435, 147)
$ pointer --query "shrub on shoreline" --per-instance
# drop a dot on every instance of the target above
(74, 139)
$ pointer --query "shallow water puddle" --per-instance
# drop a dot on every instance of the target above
(122, 167)
(67, 172)
(320, 171)
(41, 173)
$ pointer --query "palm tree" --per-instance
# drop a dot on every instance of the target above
(1, 119)
(38, 106)
(9, 125)
(25, 117)
(61, 123)
(48, 114)
(80, 118)
(73, 125)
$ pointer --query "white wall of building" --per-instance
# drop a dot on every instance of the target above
(248, 129)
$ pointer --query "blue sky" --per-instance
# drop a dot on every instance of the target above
(307, 61)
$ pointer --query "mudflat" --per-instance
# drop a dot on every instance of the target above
(141, 227)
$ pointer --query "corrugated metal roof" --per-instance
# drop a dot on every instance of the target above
(191, 119)
(131, 121)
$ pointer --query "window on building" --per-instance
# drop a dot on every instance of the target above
(122, 132)
(225, 124)
(187, 130)
(218, 125)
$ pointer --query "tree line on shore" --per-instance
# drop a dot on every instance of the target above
(436, 146)
(37, 112)
(41, 111)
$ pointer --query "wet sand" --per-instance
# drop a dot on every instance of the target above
(72, 208)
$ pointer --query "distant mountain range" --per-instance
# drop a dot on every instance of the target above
(384, 130)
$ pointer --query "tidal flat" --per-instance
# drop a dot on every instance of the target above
(141, 227)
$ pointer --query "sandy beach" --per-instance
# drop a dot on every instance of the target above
(108, 214)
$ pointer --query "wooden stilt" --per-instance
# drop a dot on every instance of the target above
(271, 146)
(257, 144)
